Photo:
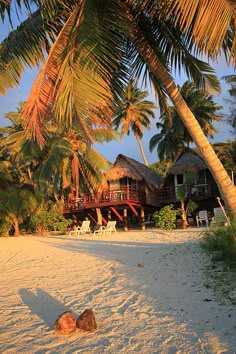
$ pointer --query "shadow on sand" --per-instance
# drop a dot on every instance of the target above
(43, 305)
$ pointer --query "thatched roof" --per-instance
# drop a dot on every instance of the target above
(189, 160)
(126, 167)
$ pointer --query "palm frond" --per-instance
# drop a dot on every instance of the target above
(102, 135)
(25, 46)
(209, 21)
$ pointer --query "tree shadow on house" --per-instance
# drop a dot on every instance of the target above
(42, 304)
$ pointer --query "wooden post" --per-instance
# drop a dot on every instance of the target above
(142, 218)
(125, 220)
(99, 216)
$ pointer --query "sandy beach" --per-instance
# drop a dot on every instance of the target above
(151, 291)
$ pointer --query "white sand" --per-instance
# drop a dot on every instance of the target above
(158, 308)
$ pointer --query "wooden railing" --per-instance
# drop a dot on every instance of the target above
(126, 195)
(194, 191)
(104, 198)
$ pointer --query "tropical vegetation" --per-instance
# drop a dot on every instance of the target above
(52, 220)
(16, 205)
(187, 205)
(88, 48)
(66, 164)
(231, 79)
(134, 113)
(173, 135)
(221, 244)
(226, 152)
(165, 218)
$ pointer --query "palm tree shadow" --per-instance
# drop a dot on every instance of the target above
(43, 305)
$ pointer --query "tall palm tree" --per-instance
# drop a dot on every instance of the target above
(174, 136)
(91, 44)
(134, 113)
(70, 164)
(66, 161)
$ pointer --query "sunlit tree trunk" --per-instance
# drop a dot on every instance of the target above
(225, 185)
(75, 174)
(99, 216)
(184, 215)
(16, 227)
(141, 150)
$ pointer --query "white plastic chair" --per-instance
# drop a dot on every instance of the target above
(109, 228)
(218, 219)
(85, 227)
(202, 217)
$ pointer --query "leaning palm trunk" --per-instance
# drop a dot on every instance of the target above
(225, 185)
(141, 150)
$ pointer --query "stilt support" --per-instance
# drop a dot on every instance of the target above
(117, 214)
(133, 210)
(92, 218)
(125, 220)
(142, 218)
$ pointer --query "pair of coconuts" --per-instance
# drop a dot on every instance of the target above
(67, 323)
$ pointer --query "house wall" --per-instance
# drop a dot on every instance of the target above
(152, 197)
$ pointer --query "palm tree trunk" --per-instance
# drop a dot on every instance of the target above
(99, 216)
(141, 150)
(16, 227)
(75, 173)
(184, 215)
(225, 185)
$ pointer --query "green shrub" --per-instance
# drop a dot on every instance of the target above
(223, 241)
(165, 218)
(47, 221)
(5, 227)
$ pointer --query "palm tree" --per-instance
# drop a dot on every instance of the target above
(16, 204)
(231, 79)
(133, 113)
(203, 107)
(226, 152)
(23, 155)
(67, 161)
(174, 136)
(71, 164)
(91, 44)
(186, 205)
(169, 144)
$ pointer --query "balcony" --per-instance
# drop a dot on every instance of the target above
(195, 192)
(124, 196)
(105, 198)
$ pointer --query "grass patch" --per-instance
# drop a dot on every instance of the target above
(221, 244)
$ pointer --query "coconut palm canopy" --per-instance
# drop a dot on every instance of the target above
(126, 167)
(188, 160)
(94, 46)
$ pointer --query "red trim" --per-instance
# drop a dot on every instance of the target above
(104, 220)
(116, 212)
(133, 210)
(91, 217)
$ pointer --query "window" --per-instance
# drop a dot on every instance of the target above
(179, 179)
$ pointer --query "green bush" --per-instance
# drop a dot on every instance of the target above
(47, 221)
(165, 218)
(221, 240)
(5, 227)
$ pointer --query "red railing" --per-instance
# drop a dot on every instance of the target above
(104, 198)
(194, 191)
(164, 195)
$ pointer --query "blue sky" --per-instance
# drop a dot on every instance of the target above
(128, 146)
